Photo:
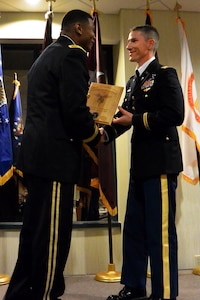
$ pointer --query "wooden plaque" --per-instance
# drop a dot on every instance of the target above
(103, 100)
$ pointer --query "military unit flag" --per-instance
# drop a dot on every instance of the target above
(191, 124)
(148, 20)
(106, 160)
(16, 120)
(95, 59)
(6, 167)
(99, 164)
(48, 30)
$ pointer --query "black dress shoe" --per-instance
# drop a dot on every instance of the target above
(128, 294)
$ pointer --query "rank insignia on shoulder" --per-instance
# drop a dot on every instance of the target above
(76, 47)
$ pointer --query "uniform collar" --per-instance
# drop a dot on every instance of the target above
(142, 68)
(68, 38)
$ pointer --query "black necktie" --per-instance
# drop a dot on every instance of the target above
(136, 79)
(137, 76)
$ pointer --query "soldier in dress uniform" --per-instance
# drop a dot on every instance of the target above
(58, 122)
(153, 106)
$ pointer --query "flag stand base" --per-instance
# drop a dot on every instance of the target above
(4, 279)
(196, 270)
(110, 276)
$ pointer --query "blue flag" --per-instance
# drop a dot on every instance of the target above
(16, 121)
(6, 168)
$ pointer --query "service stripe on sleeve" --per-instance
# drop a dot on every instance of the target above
(145, 121)
(93, 136)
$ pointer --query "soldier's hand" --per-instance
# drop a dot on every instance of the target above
(103, 135)
(125, 119)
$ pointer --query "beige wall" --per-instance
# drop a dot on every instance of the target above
(89, 249)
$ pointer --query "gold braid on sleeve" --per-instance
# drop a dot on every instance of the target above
(145, 121)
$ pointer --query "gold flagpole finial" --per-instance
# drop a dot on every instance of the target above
(147, 4)
(16, 81)
(94, 4)
(176, 8)
(50, 4)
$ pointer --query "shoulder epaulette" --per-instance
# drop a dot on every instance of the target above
(76, 47)
(165, 67)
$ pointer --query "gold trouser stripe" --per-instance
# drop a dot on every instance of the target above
(165, 237)
(54, 224)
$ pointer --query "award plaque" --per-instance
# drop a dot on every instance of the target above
(103, 100)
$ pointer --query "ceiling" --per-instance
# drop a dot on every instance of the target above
(102, 6)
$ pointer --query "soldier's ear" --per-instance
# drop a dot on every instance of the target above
(151, 43)
(78, 28)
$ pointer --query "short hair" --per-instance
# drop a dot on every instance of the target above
(149, 32)
(74, 16)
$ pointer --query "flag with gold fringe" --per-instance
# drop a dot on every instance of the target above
(6, 166)
(99, 164)
(106, 160)
(191, 125)
(16, 121)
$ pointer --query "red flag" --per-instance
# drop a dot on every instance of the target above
(106, 162)
(95, 57)
(148, 17)
(101, 163)
(149, 21)
(48, 30)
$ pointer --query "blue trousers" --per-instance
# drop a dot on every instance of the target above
(150, 231)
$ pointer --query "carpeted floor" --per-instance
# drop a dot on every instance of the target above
(87, 288)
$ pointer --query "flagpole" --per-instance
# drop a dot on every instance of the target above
(50, 4)
(48, 16)
(94, 4)
(176, 8)
(110, 275)
(50, 8)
